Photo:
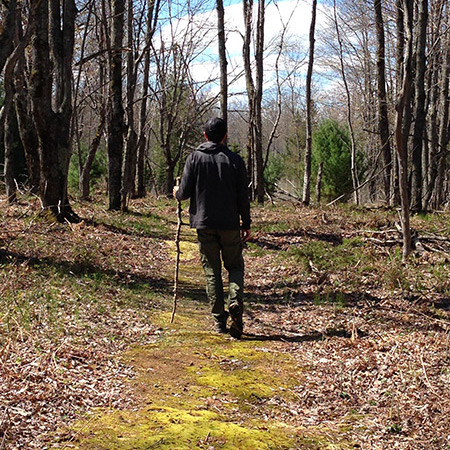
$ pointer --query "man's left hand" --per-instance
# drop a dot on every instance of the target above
(245, 235)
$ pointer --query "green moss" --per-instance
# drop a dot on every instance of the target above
(189, 250)
(242, 384)
(170, 428)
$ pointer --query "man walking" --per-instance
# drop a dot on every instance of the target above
(215, 181)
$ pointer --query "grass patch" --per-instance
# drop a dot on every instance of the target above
(326, 256)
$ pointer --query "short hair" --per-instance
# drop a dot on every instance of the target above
(215, 129)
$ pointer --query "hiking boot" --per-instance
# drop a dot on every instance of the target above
(236, 327)
(220, 327)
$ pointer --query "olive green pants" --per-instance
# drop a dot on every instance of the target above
(217, 246)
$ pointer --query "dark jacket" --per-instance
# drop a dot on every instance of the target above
(215, 180)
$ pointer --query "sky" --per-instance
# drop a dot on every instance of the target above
(295, 14)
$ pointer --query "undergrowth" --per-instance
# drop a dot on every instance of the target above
(344, 342)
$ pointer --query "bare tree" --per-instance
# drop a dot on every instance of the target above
(52, 46)
(251, 90)
(306, 198)
(383, 117)
(280, 44)
(354, 169)
(8, 10)
(255, 161)
(441, 157)
(86, 167)
(152, 18)
(259, 55)
(402, 123)
(420, 113)
(222, 60)
(129, 165)
(175, 93)
(116, 125)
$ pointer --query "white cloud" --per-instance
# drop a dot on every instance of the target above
(295, 14)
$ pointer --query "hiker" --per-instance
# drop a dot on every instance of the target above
(215, 181)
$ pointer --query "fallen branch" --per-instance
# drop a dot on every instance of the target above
(283, 191)
(360, 186)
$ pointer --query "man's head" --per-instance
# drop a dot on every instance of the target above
(215, 130)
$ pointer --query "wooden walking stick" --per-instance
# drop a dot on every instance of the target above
(178, 253)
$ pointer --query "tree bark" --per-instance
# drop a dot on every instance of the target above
(8, 10)
(116, 117)
(383, 118)
(25, 123)
(430, 169)
(53, 44)
(306, 198)
(420, 115)
(319, 183)
(222, 60)
(259, 53)
(129, 167)
(402, 128)
(85, 174)
(10, 155)
(444, 133)
(250, 86)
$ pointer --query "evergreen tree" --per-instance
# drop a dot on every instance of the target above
(331, 145)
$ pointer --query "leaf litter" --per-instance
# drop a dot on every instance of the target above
(370, 335)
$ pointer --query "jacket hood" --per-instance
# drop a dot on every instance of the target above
(209, 147)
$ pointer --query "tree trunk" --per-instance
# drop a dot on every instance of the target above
(170, 179)
(115, 119)
(259, 53)
(53, 128)
(444, 134)
(402, 129)
(8, 10)
(85, 174)
(222, 61)
(319, 183)
(439, 162)
(131, 138)
(8, 41)
(308, 150)
(250, 85)
(129, 168)
(420, 116)
(383, 118)
(25, 123)
(10, 155)
(152, 15)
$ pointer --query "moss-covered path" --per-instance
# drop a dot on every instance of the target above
(201, 390)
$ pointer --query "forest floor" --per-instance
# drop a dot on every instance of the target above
(344, 346)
